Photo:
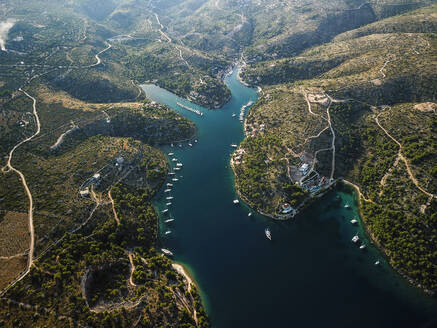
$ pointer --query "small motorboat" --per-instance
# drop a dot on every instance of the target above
(377, 263)
(171, 173)
(363, 246)
(179, 164)
(167, 232)
(169, 220)
(169, 185)
(168, 204)
(268, 233)
(355, 239)
(175, 179)
(169, 198)
(190, 144)
(170, 154)
(167, 190)
(347, 206)
(234, 146)
(250, 214)
(233, 115)
(236, 201)
(174, 159)
(166, 252)
(165, 211)
(177, 168)
(354, 221)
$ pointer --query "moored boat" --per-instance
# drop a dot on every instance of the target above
(167, 232)
(169, 198)
(169, 220)
(165, 211)
(175, 179)
(354, 221)
(168, 204)
(167, 190)
(355, 239)
(268, 233)
(236, 201)
(166, 252)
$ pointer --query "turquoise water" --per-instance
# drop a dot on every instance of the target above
(310, 275)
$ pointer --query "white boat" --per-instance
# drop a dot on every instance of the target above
(177, 168)
(233, 115)
(168, 204)
(195, 140)
(250, 214)
(190, 144)
(363, 246)
(346, 206)
(175, 179)
(355, 239)
(172, 145)
(174, 159)
(268, 233)
(165, 211)
(179, 164)
(180, 146)
(354, 221)
(234, 146)
(169, 220)
(169, 184)
(377, 263)
(171, 173)
(167, 190)
(166, 252)
(170, 154)
(169, 198)
(167, 232)
(236, 201)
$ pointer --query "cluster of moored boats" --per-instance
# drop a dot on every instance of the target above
(167, 192)
(356, 238)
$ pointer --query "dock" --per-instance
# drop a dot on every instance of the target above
(243, 110)
(195, 111)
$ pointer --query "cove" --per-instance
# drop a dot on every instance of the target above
(310, 275)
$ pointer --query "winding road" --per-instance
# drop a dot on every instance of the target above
(402, 157)
(8, 168)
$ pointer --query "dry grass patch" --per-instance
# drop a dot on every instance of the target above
(14, 234)
(11, 269)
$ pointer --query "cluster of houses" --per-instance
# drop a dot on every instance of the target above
(96, 179)
(237, 157)
(252, 130)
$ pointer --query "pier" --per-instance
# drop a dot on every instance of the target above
(195, 111)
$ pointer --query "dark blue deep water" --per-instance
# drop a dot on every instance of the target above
(310, 275)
